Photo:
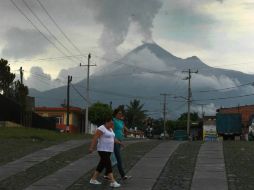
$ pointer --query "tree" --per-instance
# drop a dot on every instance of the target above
(193, 117)
(135, 114)
(6, 78)
(98, 112)
(20, 91)
(180, 123)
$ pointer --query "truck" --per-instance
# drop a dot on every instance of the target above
(229, 125)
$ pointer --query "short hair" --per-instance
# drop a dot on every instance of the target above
(116, 111)
(108, 118)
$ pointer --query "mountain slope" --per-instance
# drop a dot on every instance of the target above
(148, 71)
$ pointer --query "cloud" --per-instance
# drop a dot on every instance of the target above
(40, 80)
(215, 82)
(77, 73)
(116, 17)
(186, 21)
(208, 109)
(22, 43)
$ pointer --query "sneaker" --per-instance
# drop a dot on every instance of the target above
(126, 177)
(106, 177)
(95, 182)
(114, 184)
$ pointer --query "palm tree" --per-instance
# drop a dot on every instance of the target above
(135, 114)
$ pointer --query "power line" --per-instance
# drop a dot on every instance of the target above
(84, 98)
(232, 87)
(12, 1)
(41, 22)
(223, 98)
(59, 28)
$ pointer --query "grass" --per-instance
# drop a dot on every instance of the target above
(18, 142)
(239, 157)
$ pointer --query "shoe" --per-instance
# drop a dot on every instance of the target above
(126, 177)
(106, 177)
(95, 182)
(114, 184)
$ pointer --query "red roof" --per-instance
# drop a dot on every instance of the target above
(73, 109)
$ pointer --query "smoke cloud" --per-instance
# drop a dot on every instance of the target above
(116, 17)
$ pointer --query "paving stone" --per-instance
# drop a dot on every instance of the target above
(210, 168)
(30, 160)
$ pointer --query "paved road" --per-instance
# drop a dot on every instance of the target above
(30, 160)
(66, 176)
(148, 168)
(209, 172)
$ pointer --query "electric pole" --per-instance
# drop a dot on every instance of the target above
(87, 92)
(189, 97)
(21, 75)
(164, 112)
(67, 128)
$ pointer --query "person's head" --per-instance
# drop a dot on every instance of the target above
(118, 113)
(108, 122)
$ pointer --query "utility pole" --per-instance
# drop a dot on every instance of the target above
(164, 112)
(189, 97)
(87, 91)
(67, 128)
(21, 75)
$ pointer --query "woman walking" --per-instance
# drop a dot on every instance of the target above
(119, 128)
(105, 139)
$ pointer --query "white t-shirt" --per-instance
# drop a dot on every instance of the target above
(106, 141)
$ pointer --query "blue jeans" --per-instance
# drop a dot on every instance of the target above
(117, 148)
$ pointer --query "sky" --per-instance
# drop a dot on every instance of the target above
(48, 38)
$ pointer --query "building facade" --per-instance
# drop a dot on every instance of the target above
(76, 117)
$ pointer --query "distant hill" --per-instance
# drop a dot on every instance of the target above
(149, 70)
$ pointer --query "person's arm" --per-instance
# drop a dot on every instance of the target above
(96, 136)
(118, 142)
(126, 129)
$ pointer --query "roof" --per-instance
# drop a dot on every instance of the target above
(72, 109)
(237, 107)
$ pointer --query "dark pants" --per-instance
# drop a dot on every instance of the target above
(105, 162)
(117, 148)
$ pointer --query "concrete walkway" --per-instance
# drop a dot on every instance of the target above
(148, 168)
(30, 160)
(210, 168)
(66, 176)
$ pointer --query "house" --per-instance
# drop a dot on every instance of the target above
(76, 117)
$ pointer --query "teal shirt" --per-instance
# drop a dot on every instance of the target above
(118, 129)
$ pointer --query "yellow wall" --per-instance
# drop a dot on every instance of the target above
(74, 119)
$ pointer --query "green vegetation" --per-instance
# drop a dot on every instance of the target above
(135, 114)
(18, 142)
(10, 88)
(181, 122)
(99, 112)
(36, 134)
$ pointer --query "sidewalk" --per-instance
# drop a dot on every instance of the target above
(147, 170)
(30, 160)
(210, 168)
(66, 176)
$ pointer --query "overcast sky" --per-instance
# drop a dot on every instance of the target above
(47, 36)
